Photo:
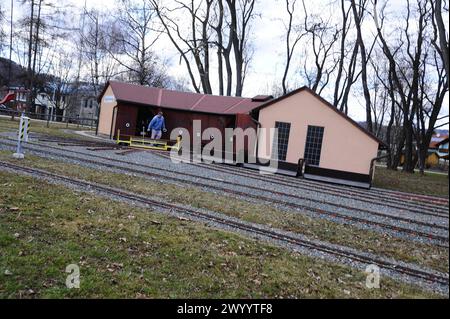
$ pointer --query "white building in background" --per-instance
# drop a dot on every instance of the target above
(45, 105)
(83, 104)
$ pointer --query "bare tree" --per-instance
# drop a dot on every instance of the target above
(38, 24)
(2, 32)
(432, 96)
(380, 97)
(219, 17)
(134, 37)
(358, 14)
(441, 33)
(30, 50)
(35, 35)
(241, 16)
(342, 54)
(409, 68)
(347, 74)
(62, 69)
(323, 35)
(96, 48)
(294, 34)
(211, 24)
(186, 45)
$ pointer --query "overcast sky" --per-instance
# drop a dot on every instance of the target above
(269, 45)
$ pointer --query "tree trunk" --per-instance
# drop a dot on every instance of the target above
(30, 48)
(218, 29)
(360, 41)
(36, 46)
(408, 165)
(443, 41)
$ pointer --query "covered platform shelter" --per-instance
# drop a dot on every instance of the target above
(127, 109)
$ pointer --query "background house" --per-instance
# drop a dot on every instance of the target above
(443, 152)
(72, 102)
(82, 103)
(436, 152)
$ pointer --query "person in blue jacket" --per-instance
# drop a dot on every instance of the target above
(157, 126)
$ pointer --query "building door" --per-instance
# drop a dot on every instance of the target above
(126, 120)
(145, 115)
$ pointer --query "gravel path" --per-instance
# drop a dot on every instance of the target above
(388, 272)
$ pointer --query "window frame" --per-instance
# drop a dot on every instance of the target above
(313, 145)
(284, 132)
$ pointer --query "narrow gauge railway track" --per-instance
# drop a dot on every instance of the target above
(242, 185)
(411, 208)
(326, 189)
(432, 201)
(428, 276)
(442, 239)
(388, 195)
(393, 196)
(299, 184)
(383, 192)
(77, 141)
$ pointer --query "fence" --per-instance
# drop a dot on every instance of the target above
(52, 118)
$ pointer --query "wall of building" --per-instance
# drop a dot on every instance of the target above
(107, 105)
(344, 146)
(88, 109)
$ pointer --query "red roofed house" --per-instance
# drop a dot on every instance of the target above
(333, 147)
(129, 108)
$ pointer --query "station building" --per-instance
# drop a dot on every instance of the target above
(127, 109)
(332, 146)
(327, 144)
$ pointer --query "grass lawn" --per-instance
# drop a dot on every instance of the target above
(382, 244)
(55, 129)
(136, 253)
(429, 184)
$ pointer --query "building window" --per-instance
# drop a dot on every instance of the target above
(313, 146)
(284, 130)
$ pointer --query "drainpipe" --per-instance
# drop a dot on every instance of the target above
(372, 165)
(112, 120)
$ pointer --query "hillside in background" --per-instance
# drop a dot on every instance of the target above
(19, 76)
(18, 73)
